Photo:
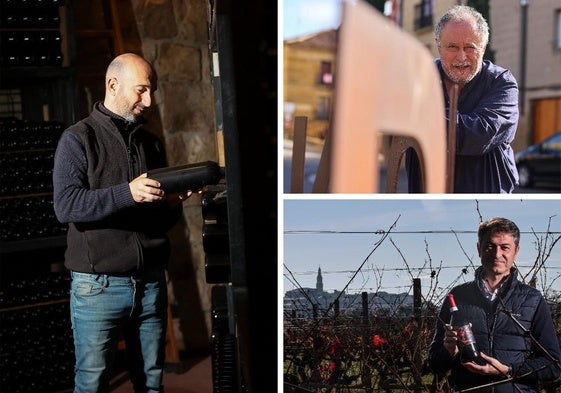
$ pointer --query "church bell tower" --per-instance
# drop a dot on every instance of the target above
(319, 281)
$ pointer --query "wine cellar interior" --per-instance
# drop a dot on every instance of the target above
(52, 64)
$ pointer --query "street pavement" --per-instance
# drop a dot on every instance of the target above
(311, 162)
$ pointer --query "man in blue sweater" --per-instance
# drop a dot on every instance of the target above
(487, 108)
(511, 322)
(117, 246)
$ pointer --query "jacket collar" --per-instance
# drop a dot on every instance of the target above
(505, 284)
(123, 126)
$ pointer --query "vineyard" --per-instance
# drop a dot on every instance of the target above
(377, 342)
(366, 353)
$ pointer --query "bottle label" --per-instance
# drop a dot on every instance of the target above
(466, 344)
(465, 335)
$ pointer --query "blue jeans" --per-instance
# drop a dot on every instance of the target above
(105, 309)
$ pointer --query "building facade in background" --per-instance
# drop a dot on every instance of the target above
(309, 69)
(525, 38)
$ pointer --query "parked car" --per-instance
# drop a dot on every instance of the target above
(540, 163)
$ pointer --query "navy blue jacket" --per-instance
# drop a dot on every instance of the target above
(486, 123)
(499, 336)
(109, 232)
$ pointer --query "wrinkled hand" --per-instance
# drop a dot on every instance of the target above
(491, 367)
(144, 189)
(450, 340)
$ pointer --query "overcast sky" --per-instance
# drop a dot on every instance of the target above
(429, 234)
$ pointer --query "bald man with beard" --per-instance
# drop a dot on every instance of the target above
(118, 219)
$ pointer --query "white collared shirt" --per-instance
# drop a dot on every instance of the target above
(487, 292)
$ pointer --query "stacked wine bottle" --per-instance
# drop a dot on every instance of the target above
(26, 158)
(30, 33)
(36, 344)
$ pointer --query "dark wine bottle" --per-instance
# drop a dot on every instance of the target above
(466, 339)
(188, 176)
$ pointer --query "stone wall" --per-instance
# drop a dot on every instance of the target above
(173, 35)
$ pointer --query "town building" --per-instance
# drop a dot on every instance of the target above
(525, 38)
(315, 303)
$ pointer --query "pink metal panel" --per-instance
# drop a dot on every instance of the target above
(387, 83)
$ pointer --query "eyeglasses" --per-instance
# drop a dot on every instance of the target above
(468, 49)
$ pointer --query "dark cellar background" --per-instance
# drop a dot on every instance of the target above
(36, 342)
